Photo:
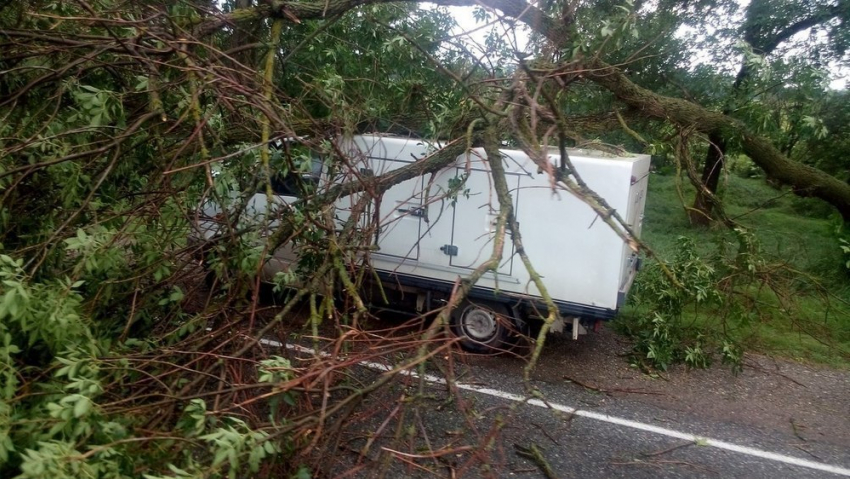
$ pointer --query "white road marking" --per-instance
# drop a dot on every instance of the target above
(663, 431)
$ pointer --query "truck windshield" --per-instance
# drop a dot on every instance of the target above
(298, 184)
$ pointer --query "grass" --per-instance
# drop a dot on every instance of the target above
(806, 314)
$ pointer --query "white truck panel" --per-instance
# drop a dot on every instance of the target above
(585, 265)
(431, 240)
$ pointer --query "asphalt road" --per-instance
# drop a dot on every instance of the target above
(601, 436)
(578, 433)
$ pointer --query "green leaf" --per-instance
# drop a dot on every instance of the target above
(303, 473)
(220, 456)
(141, 83)
(82, 407)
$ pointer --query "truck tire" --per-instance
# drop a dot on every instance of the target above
(482, 327)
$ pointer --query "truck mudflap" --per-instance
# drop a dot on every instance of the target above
(576, 326)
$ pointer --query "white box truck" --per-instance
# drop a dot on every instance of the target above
(426, 239)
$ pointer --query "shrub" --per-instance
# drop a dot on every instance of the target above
(670, 297)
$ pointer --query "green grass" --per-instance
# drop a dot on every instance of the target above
(810, 320)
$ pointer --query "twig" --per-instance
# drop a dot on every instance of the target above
(796, 429)
(586, 386)
(756, 366)
(546, 433)
(669, 449)
(613, 390)
(533, 454)
(800, 447)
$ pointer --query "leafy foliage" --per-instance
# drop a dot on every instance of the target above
(712, 286)
(794, 306)
(118, 122)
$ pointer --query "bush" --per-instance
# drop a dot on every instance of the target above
(743, 166)
(667, 294)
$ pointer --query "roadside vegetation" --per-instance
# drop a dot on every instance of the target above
(779, 285)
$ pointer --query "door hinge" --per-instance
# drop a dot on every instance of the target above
(449, 249)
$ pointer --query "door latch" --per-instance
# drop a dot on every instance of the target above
(449, 249)
(417, 211)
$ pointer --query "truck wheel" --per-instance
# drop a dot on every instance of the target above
(481, 327)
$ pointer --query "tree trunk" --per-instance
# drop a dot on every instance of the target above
(704, 201)
(715, 160)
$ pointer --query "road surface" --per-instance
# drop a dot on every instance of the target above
(586, 431)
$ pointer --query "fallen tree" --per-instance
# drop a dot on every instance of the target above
(118, 123)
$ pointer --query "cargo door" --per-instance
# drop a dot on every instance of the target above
(638, 184)
(474, 223)
(400, 213)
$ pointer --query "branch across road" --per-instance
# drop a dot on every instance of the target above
(639, 434)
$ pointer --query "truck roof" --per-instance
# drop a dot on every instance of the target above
(517, 160)
(553, 150)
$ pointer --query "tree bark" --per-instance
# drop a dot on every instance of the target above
(704, 201)
(715, 161)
